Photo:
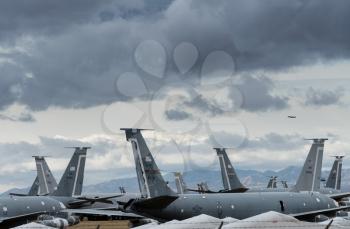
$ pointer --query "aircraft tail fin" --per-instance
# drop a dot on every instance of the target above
(272, 182)
(151, 182)
(229, 177)
(47, 182)
(71, 183)
(34, 189)
(310, 176)
(180, 183)
(334, 178)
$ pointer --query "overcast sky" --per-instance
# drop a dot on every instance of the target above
(200, 73)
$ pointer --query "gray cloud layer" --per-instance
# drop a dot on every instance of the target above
(315, 97)
(74, 51)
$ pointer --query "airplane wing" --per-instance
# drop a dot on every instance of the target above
(237, 190)
(156, 202)
(304, 215)
(100, 212)
(29, 216)
(84, 200)
(339, 196)
(17, 194)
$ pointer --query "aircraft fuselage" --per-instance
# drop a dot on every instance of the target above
(238, 205)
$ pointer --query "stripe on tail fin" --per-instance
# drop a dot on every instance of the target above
(310, 176)
(180, 183)
(229, 177)
(151, 182)
(334, 178)
(47, 182)
(71, 183)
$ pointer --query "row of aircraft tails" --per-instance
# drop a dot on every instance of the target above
(62, 203)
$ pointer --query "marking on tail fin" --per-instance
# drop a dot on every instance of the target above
(337, 176)
(134, 141)
(43, 173)
(315, 168)
(221, 157)
(77, 173)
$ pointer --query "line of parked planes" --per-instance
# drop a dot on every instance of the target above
(60, 205)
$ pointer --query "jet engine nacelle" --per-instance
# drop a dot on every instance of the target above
(56, 223)
(344, 203)
(342, 214)
(73, 220)
(321, 218)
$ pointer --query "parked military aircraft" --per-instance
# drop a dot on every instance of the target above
(334, 178)
(164, 204)
(70, 188)
(17, 210)
(308, 180)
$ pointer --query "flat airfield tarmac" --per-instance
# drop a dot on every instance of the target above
(110, 224)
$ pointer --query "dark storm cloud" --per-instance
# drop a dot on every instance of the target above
(249, 93)
(177, 115)
(317, 97)
(257, 96)
(187, 108)
(76, 50)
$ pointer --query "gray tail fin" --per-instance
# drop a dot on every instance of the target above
(180, 183)
(334, 178)
(151, 182)
(71, 183)
(229, 177)
(284, 184)
(272, 182)
(310, 176)
(47, 182)
(34, 190)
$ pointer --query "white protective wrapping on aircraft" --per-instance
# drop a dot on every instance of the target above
(265, 220)
(339, 221)
(273, 219)
(33, 225)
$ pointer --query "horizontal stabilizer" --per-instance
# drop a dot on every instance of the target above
(17, 194)
(85, 200)
(29, 216)
(236, 190)
(329, 211)
(156, 202)
(339, 196)
(98, 212)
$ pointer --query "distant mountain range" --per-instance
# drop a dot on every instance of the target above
(251, 178)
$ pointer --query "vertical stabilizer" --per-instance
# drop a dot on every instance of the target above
(272, 182)
(229, 177)
(151, 182)
(180, 183)
(34, 189)
(71, 183)
(334, 178)
(310, 176)
(284, 184)
(47, 182)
